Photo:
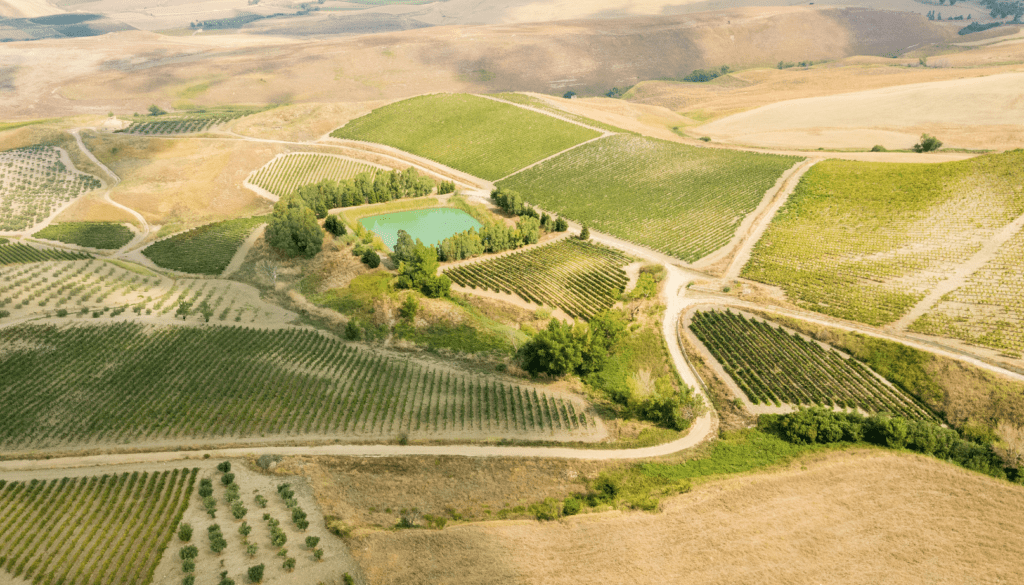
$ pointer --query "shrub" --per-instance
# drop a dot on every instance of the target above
(571, 507)
(188, 552)
(189, 580)
(585, 233)
(62, 312)
(293, 228)
(289, 564)
(348, 579)
(371, 258)
(210, 504)
(224, 467)
(928, 144)
(188, 566)
(205, 488)
(251, 549)
(878, 148)
(225, 580)
(261, 501)
(185, 532)
(705, 139)
(335, 226)
(318, 554)
(227, 478)
(256, 573)
(238, 510)
(312, 541)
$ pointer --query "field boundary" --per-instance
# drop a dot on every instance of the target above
(248, 184)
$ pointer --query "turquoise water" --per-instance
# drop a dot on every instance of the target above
(429, 225)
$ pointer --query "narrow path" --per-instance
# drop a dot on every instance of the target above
(960, 275)
(243, 251)
(557, 154)
(546, 113)
(754, 232)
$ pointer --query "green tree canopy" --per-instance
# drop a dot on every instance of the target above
(293, 228)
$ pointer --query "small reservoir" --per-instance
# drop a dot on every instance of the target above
(428, 225)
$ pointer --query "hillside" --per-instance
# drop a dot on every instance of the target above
(847, 518)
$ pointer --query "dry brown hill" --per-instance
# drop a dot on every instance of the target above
(128, 71)
(850, 518)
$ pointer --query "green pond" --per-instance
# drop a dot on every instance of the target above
(429, 225)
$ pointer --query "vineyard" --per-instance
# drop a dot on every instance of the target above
(128, 383)
(681, 200)
(578, 277)
(286, 173)
(185, 123)
(34, 182)
(529, 100)
(102, 235)
(207, 249)
(867, 241)
(110, 529)
(989, 309)
(93, 289)
(17, 253)
(772, 366)
(476, 135)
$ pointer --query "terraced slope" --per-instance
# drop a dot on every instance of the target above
(578, 277)
(867, 241)
(772, 366)
(681, 200)
(476, 135)
(129, 383)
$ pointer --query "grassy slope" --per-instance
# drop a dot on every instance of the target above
(681, 200)
(836, 519)
(866, 241)
(482, 137)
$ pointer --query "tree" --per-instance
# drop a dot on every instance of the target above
(409, 308)
(569, 94)
(312, 541)
(318, 554)
(188, 552)
(419, 271)
(561, 224)
(184, 308)
(155, 110)
(928, 144)
(188, 566)
(205, 310)
(371, 258)
(251, 549)
(335, 226)
(404, 247)
(185, 532)
(556, 350)
(585, 233)
(227, 478)
(238, 510)
(293, 228)
(224, 467)
(529, 227)
(289, 564)
(256, 573)
(245, 529)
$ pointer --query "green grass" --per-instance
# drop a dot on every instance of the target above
(90, 234)
(16, 253)
(131, 384)
(207, 249)
(100, 529)
(681, 200)
(578, 277)
(867, 241)
(479, 136)
(773, 367)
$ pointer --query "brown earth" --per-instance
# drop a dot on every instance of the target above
(126, 72)
(849, 517)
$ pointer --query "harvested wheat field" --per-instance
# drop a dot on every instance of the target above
(984, 112)
(851, 517)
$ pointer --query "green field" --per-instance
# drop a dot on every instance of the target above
(34, 182)
(867, 241)
(989, 309)
(576, 276)
(102, 235)
(772, 366)
(16, 253)
(285, 174)
(109, 529)
(529, 100)
(482, 137)
(681, 200)
(207, 249)
(127, 383)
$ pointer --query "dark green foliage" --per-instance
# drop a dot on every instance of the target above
(205, 488)
(238, 510)
(878, 148)
(225, 580)
(928, 144)
(207, 249)
(335, 226)
(227, 478)
(704, 75)
(293, 228)
(445, 187)
(569, 94)
(824, 426)
(90, 234)
(371, 258)
(245, 530)
(318, 554)
(557, 350)
(561, 224)
(210, 505)
(289, 564)
(312, 541)
(419, 271)
(492, 238)
(189, 580)
(409, 307)
(155, 110)
(185, 532)
(224, 467)
(571, 506)
(217, 541)
(349, 580)
(17, 253)
(978, 27)
(188, 552)
(364, 188)
(261, 501)
(585, 233)
(188, 566)
(353, 332)
(256, 573)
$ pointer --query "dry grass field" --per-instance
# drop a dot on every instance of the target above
(180, 183)
(849, 517)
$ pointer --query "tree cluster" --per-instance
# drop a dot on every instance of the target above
(417, 267)
(492, 238)
(361, 189)
(928, 144)
(822, 425)
(704, 75)
(293, 228)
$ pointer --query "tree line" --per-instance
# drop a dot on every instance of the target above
(363, 189)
